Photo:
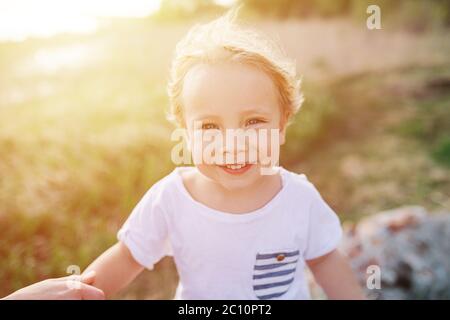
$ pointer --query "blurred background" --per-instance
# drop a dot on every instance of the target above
(83, 133)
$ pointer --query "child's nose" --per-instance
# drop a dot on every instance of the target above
(234, 152)
(234, 144)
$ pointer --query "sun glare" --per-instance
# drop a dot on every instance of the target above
(20, 19)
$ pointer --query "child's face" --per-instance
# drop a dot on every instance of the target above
(232, 96)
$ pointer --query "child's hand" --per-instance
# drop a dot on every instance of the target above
(65, 288)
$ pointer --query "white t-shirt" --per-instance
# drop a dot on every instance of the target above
(220, 255)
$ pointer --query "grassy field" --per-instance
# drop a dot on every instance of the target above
(83, 134)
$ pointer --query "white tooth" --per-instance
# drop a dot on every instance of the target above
(235, 166)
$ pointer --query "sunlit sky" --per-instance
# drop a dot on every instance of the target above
(20, 19)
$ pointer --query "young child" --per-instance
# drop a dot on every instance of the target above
(234, 232)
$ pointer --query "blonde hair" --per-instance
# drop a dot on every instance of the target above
(224, 40)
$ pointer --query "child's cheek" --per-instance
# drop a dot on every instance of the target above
(269, 147)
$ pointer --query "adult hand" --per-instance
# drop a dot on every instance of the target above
(65, 288)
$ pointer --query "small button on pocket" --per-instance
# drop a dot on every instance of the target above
(280, 257)
(274, 272)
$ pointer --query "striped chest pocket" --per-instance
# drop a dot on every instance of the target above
(274, 272)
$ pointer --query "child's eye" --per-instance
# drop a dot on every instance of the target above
(209, 126)
(253, 121)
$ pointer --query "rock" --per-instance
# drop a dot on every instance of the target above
(411, 249)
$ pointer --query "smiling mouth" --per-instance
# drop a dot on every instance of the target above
(236, 168)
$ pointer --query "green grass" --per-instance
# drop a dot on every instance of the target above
(441, 152)
(429, 121)
(383, 144)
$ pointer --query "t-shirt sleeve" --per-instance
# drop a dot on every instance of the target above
(145, 231)
(324, 228)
